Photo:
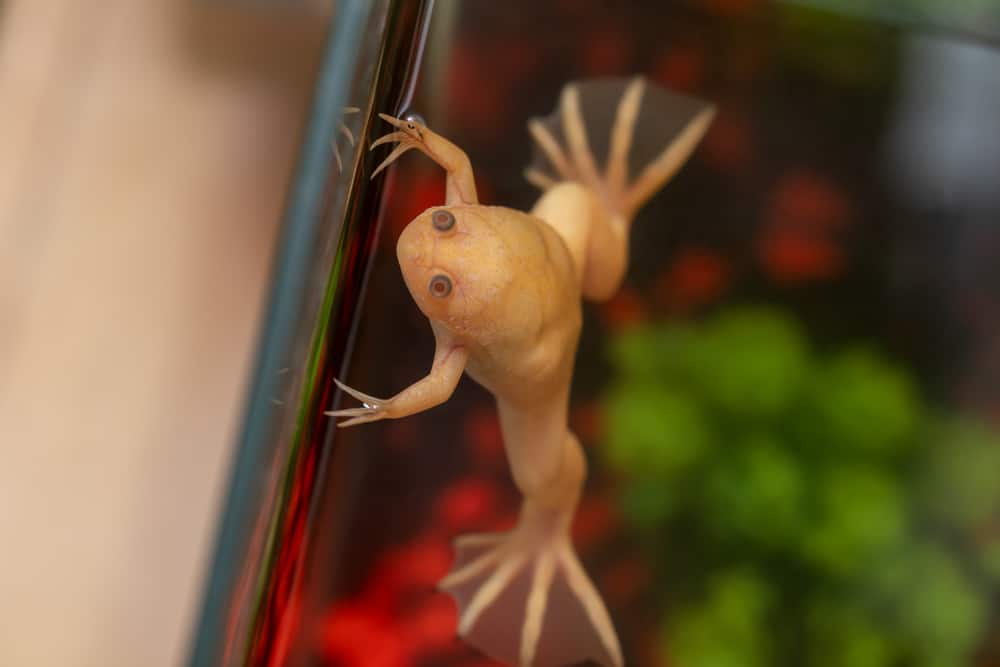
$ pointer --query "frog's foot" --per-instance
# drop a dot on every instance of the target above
(678, 123)
(461, 186)
(410, 134)
(524, 599)
(372, 409)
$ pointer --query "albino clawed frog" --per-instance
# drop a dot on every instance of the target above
(502, 290)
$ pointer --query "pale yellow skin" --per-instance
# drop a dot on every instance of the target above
(511, 320)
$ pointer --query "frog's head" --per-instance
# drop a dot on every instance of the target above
(455, 265)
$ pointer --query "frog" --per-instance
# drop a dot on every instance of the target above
(503, 291)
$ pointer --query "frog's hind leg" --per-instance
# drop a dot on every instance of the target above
(637, 128)
(524, 599)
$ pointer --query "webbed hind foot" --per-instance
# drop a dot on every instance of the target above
(524, 599)
(577, 161)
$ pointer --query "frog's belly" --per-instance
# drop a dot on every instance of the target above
(530, 373)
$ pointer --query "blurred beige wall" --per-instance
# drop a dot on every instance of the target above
(145, 148)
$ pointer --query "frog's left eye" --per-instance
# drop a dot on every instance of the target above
(443, 220)
(440, 286)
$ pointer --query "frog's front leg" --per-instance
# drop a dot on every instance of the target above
(461, 186)
(434, 389)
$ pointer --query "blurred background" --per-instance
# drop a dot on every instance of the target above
(792, 410)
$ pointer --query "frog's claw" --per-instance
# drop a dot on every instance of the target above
(408, 126)
(389, 138)
(372, 409)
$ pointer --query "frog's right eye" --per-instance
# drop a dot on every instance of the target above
(440, 286)
(443, 220)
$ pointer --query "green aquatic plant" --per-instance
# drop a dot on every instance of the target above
(813, 509)
(859, 514)
(755, 494)
(750, 363)
(944, 611)
(649, 417)
(728, 627)
(958, 481)
(840, 632)
(859, 402)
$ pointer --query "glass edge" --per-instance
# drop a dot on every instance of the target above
(289, 275)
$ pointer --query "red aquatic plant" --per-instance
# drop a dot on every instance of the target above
(408, 195)
(680, 68)
(728, 145)
(395, 617)
(800, 237)
(481, 429)
(625, 580)
(697, 276)
(595, 521)
(807, 199)
(587, 421)
(357, 633)
(607, 52)
(789, 256)
(464, 505)
(416, 565)
(624, 309)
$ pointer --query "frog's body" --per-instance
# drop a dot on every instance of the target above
(502, 290)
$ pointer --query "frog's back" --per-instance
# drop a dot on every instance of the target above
(532, 240)
(537, 315)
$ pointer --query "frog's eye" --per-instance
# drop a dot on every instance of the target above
(440, 286)
(442, 220)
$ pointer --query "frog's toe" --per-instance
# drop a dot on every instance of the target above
(390, 138)
(406, 125)
(393, 156)
(361, 396)
(349, 412)
(371, 416)
(576, 136)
